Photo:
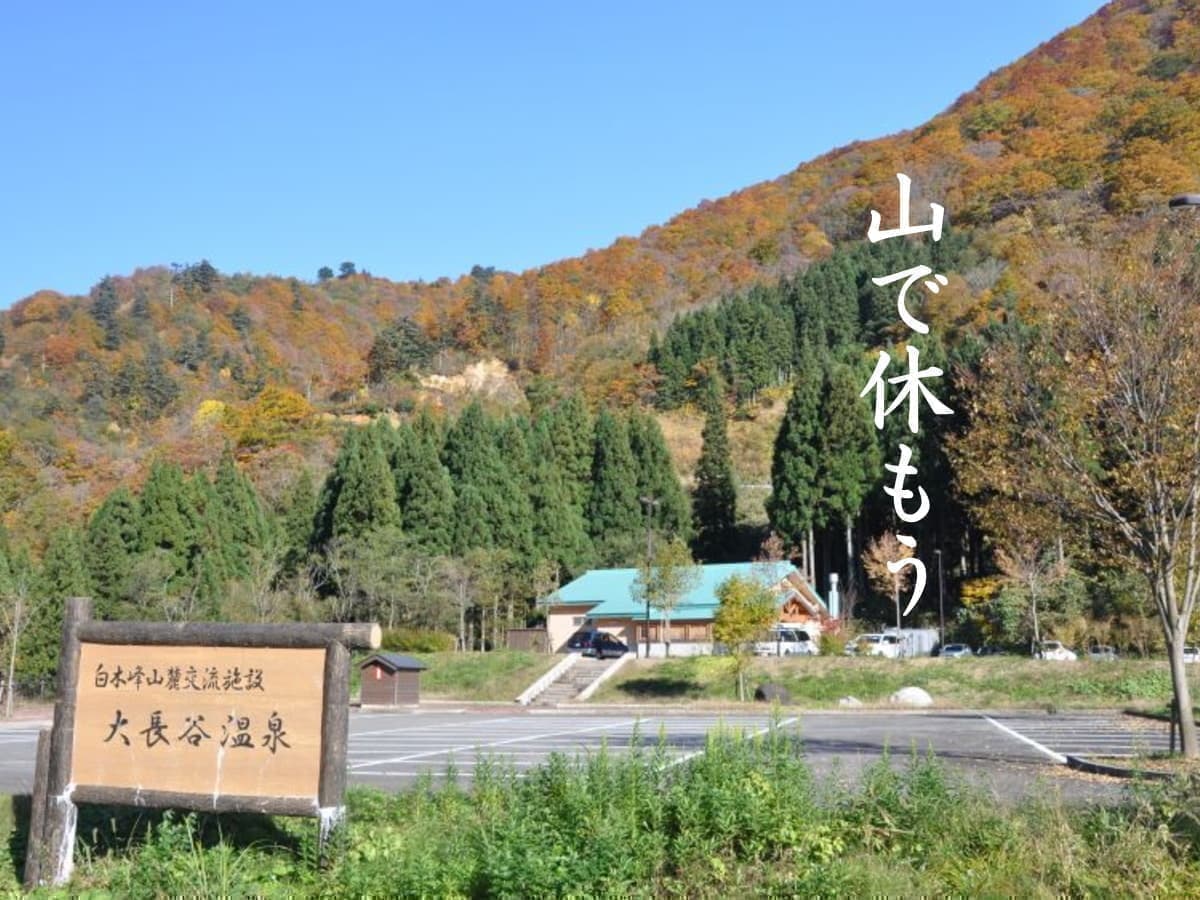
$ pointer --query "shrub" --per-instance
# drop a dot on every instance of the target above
(416, 640)
(832, 644)
(743, 818)
(1166, 66)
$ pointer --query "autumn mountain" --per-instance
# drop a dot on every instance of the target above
(1099, 124)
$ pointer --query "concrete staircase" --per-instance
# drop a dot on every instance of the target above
(572, 681)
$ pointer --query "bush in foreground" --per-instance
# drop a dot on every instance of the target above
(744, 816)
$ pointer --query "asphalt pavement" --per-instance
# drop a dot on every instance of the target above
(1013, 754)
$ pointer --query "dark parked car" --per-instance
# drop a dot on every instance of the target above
(605, 646)
(581, 640)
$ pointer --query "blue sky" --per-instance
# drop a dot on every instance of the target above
(420, 139)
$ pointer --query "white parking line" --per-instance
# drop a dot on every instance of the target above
(675, 762)
(417, 773)
(479, 746)
(437, 727)
(1057, 757)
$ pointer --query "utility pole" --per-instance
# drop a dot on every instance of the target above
(651, 504)
(941, 603)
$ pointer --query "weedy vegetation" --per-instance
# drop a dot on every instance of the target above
(746, 815)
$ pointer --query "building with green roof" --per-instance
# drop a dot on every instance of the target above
(605, 599)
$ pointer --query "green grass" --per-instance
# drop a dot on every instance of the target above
(500, 675)
(742, 818)
(821, 681)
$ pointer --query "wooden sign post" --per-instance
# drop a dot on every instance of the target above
(202, 716)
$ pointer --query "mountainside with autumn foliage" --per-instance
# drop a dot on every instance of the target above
(1099, 124)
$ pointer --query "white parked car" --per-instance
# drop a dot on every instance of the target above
(874, 645)
(1191, 654)
(1054, 650)
(783, 641)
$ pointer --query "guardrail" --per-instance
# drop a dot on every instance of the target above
(530, 693)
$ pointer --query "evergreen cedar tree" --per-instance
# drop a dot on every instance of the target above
(104, 311)
(793, 501)
(613, 512)
(714, 499)
(484, 485)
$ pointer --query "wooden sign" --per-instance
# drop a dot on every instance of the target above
(200, 720)
(203, 716)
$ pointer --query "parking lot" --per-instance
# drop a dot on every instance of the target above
(1086, 734)
(394, 748)
(1015, 754)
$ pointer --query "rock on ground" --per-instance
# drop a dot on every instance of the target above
(911, 696)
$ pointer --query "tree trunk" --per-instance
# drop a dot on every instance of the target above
(462, 628)
(826, 560)
(1183, 696)
(812, 558)
(666, 626)
(495, 621)
(851, 568)
(896, 600)
(1037, 631)
(14, 636)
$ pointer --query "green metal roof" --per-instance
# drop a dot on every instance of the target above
(609, 592)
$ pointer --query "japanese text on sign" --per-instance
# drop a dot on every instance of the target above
(204, 720)
(912, 388)
(176, 678)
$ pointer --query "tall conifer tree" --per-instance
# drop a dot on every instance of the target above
(62, 574)
(571, 433)
(714, 501)
(468, 451)
(367, 499)
(104, 311)
(508, 491)
(427, 498)
(656, 476)
(794, 495)
(300, 508)
(212, 560)
(559, 534)
(399, 446)
(250, 525)
(166, 514)
(472, 524)
(111, 541)
(849, 461)
(613, 513)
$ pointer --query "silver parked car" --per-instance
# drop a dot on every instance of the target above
(1055, 650)
(956, 650)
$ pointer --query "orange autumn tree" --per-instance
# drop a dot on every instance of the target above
(1099, 412)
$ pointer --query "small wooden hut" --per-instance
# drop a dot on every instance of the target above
(391, 679)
